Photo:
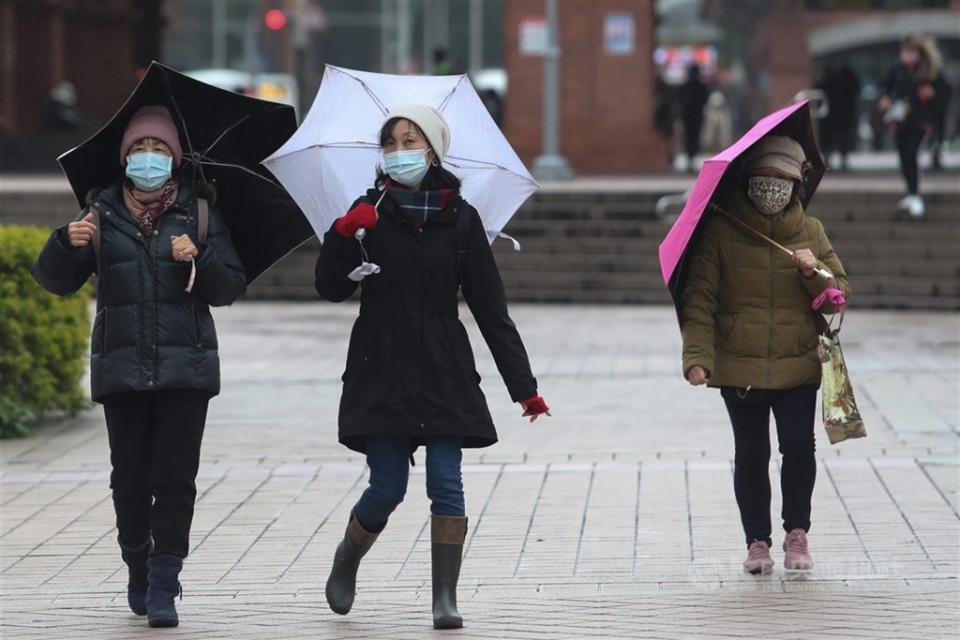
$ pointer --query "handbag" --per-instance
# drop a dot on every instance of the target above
(841, 417)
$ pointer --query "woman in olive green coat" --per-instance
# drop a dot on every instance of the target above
(748, 329)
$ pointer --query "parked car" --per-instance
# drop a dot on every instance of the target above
(278, 87)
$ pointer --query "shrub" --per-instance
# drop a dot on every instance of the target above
(43, 338)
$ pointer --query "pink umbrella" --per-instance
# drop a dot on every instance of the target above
(793, 121)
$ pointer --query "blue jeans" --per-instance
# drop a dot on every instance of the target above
(388, 458)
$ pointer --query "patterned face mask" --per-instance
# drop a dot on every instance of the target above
(769, 194)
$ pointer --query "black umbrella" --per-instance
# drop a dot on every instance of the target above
(224, 136)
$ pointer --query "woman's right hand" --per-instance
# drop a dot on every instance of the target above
(80, 233)
(362, 216)
(697, 376)
(534, 407)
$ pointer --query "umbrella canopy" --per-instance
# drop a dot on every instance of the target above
(793, 121)
(224, 136)
(332, 158)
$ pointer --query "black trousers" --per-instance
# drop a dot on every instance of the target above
(794, 411)
(155, 454)
(908, 140)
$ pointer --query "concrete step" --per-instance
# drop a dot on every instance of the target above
(602, 247)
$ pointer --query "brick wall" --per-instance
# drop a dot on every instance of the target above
(606, 104)
(94, 45)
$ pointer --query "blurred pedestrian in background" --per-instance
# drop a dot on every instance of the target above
(62, 113)
(410, 378)
(663, 115)
(909, 103)
(693, 98)
(838, 131)
(749, 330)
(717, 123)
(154, 363)
(441, 62)
(941, 110)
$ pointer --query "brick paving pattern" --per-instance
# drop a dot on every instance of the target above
(613, 519)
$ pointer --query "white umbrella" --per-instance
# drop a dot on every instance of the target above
(331, 160)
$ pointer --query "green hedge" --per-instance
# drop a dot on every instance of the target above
(43, 338)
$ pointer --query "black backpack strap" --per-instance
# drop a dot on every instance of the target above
(203, 219)
(95, 212)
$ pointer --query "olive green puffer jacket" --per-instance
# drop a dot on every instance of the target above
(746, 315)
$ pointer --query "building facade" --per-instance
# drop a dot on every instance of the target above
(96, 46)
(606, 84)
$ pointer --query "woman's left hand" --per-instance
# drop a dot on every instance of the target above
(534, 407)
(805, 261)
(183, 248)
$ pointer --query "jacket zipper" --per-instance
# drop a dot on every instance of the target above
(770, 321)
(153, 248)
(423, 283)
(196, 325)
(152, 344)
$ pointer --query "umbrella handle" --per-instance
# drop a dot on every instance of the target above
(362, 233)
(823, 273)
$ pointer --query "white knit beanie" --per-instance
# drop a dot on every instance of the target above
(430, 122)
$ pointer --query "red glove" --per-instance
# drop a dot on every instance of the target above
(534, 407)
(362, 216)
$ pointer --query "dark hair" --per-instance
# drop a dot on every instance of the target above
(437, 176)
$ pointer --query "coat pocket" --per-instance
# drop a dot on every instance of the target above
(356, 364)
(358, 353)
(729, 332)
(725, 325)
(196, 326)
(98, 337)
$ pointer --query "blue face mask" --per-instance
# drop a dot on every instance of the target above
(407, 167)
(148, 170)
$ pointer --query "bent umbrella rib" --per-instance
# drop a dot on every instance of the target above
(225, 132)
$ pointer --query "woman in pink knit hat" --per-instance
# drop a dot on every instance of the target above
(162, 258)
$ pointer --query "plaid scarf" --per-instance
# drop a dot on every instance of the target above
(148, 206)
(419, 206)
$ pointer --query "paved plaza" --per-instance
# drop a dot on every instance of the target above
(615, 518)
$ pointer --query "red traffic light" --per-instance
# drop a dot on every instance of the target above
(275, 19)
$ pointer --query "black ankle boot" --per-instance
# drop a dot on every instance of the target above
(342, 583)
(446, 536)
(136, 560)
(163, 585)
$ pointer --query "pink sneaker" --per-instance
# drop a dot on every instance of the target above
(758, 558)
(797, 551)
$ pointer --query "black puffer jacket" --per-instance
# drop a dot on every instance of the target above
(149, 333)
(902, 83)
(410, 368)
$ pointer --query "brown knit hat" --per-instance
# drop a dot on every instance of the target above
(780, 153)
(153, 121)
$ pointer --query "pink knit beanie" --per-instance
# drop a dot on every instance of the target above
(153, 121)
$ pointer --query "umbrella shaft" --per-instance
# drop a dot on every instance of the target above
(743, 225)
(746, 227)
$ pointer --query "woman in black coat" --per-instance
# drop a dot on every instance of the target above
(162, 258)
(911, 92)
(410, 377)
